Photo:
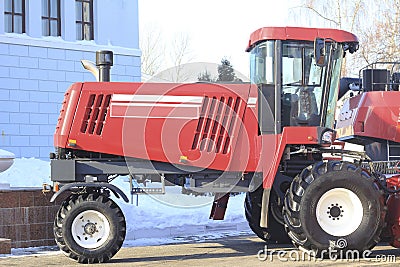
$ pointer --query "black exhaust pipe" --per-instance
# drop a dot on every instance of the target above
(104, 61)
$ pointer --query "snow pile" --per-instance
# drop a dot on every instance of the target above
(6, 154)
(6, 160)
(165, 216)
(27, 173)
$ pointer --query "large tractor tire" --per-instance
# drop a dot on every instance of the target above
(334, 205)
(275, 233)
(89, 228)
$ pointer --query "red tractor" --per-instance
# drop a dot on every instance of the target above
(267, 138)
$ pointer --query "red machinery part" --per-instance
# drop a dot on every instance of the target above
(393, 215)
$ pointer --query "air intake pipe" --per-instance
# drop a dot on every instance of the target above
(100, 70)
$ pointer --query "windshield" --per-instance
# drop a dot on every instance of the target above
(302, 84)
(298, 66)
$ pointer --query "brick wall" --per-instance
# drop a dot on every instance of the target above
(26, 217)
(33, 80)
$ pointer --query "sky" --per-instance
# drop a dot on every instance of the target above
(216, 28)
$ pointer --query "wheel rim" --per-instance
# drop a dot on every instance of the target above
(90, 229)
(339, 212)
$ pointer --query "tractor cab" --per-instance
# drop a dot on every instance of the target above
(297, 71)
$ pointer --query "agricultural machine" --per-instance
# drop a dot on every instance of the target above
(271, 138)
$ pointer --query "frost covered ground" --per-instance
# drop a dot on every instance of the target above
(158, 219)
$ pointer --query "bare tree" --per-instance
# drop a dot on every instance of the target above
(180, 54)
(377, 25)
(164, 57)
(382, 41)
(153, 50)
(341, 14)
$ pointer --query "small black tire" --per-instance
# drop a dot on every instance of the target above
(275, 233)
(89, 228)
(334, 205)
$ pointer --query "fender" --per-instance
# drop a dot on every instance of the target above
(117, 192)
(290, 136)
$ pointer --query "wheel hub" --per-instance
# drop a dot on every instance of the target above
(339, 212)
(335, 211)
(90, 229)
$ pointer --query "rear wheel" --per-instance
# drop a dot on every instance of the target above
(334, 205)
(275, 233)
(89, 228)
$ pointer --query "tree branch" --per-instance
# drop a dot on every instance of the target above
(320, 15)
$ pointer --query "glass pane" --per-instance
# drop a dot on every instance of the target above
(262, 63)
(86, 12)
(54, 8)
(302, 91)
(45, 27)
(87, 32)
(333, 94)
(292, 65)
(17, 24)
(18, 6)
(7, 23)
(8, 5)
(53, 28)
(78, 31)
(45, 8)
(78, 11)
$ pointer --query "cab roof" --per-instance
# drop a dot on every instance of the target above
(299, 33)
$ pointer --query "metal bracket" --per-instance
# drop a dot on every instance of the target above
(148, 190)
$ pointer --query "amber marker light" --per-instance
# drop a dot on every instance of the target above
(183, 159)
(72, 142)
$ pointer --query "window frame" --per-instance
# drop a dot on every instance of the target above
(83, 23)
(49, 18)
(14, 14)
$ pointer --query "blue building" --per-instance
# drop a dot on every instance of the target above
(41, 45)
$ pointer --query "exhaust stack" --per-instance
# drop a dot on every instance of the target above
(104, 61)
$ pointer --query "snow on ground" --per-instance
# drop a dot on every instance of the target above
(27, 173)
(158, 219)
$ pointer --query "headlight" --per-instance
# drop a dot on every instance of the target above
(328, 137)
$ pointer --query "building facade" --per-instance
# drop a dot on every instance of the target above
(41, 45)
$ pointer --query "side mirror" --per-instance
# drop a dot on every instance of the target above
(319, 52)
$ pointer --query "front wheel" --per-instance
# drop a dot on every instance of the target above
(89, 228)
(334, 205)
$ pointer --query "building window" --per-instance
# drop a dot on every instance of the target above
(14, 16)
(84, 19)
(51, 18)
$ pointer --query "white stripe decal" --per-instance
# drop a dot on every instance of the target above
(149, 111)
(155, 105)
(156, 98)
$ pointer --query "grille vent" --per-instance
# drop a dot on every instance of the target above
(95, 114)
(218, 118)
